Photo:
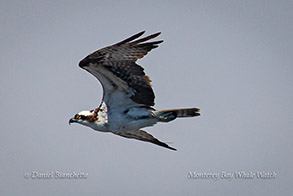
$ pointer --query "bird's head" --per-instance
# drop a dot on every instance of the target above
(84, 117)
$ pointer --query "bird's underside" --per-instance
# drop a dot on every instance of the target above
(128, 97)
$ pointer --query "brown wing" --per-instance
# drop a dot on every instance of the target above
(143, 136)
(115, 67)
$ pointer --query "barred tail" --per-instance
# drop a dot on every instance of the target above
(172, 114)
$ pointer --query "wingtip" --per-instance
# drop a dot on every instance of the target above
(169, 147)
(140, 33)
(152, 36)
(133, 37)
(157, 34)
(172, 148)
(165, 145)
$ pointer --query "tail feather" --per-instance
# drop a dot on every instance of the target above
(172, 114)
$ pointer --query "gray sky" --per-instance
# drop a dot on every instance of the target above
(233, 59)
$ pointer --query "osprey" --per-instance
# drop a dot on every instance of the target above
(127, 93)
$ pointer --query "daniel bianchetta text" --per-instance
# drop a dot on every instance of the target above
(241, 175)
(55, 175)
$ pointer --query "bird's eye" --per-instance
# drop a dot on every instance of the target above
(76, 116)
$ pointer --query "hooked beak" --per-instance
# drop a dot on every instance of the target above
(72, 120)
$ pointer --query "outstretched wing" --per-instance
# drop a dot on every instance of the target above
(124, 82)
(143, 136)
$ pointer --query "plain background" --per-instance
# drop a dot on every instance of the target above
(233, 59)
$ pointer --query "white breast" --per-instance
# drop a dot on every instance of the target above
(133, 119)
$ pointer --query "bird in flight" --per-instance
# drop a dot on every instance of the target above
(128, 97)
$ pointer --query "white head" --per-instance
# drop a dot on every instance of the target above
(84, 117)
